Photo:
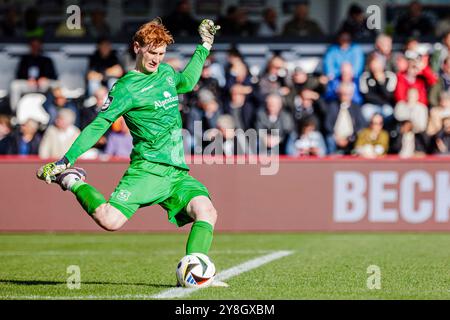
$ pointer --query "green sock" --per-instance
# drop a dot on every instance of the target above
(89, 198)
(200, 238)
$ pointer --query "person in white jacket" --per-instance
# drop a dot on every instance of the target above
(59, 137)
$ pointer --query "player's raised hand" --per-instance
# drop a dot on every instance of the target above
(207, 30)
(49, 171)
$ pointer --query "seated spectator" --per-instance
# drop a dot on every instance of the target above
(383, 51)
(98, 26)
(343, 119)
(5, 134)
(216, 69)
(268, 27)
(35, 73)
(274, 77)
(441, 52)
(300, 80)
(301, 25)
(205, 114)
(271, 118)
(373, 141)
(26, 139)
(442, 139)
(408, 144)
(356, 23)
(417, 76)
(413, 110)
(307, 142)
(240, 97)
(120, 141)
(414, 22)
(104, 67)
(346, 76)
(180, 22)
(438, 113)
(57, 101)
(206, 81)
(92, 106)
(442, 85)
(236, 23)
(226, 140)
(377, 87)
(343, 51)
(59, 137)
(306, 104)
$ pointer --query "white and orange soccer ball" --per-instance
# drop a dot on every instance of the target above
(195, 270)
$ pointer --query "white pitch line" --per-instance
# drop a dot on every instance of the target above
(170, 293)
(226, 274)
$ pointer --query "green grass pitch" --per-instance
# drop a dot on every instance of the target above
(322, 266)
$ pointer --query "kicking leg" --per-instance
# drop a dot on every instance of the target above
(92, 201)
(201, 209)
(108, 217)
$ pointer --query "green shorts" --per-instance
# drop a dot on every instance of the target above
(147, 183)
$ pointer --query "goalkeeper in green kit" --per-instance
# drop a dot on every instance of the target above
(147, 98)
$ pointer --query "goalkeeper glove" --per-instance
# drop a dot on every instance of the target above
(207, 30)
(49, 171)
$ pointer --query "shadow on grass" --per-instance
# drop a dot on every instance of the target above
(46, 282)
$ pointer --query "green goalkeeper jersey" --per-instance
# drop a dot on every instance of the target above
(149, 105)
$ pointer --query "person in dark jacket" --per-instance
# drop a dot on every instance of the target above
(343, 120)
(104, 67)
(377, 87)
(35, 73)
(26, 139)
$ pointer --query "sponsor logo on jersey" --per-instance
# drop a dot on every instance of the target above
(123, 195)
(107, 103)
(169, 101)
(170, 81)
(147, 88)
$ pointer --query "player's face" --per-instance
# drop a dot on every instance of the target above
(148, 58)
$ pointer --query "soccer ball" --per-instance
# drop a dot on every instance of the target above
(195, 270)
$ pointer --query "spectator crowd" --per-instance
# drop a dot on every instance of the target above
(367, 105)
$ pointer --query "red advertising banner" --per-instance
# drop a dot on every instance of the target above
(295, 195)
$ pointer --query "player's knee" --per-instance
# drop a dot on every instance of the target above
(212, 212)
(208, 213)
(109, 218)
(111, 225)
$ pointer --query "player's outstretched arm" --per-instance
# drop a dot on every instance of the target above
(87, 138)
(192, 72)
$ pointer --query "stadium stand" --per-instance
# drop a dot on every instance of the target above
(315, 58)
